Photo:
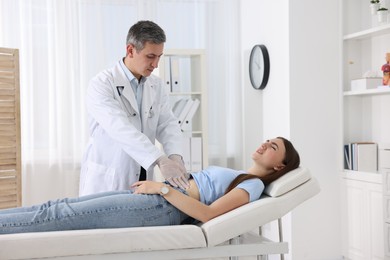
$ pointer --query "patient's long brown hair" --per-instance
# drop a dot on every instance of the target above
(291, 161)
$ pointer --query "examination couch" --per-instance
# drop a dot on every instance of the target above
(231, 234)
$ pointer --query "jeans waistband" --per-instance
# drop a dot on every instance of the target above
(177, 188)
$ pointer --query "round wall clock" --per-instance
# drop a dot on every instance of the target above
(259, 66)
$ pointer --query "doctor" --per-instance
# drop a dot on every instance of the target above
(128, 110)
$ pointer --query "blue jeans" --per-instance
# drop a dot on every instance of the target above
(117, 209)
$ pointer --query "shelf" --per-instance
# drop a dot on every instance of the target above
(184, 52)
(377, 31)
(367, 92)
(362, 176)
(185, 93)
(194, 132)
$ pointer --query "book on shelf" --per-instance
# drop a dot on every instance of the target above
(347, 158)
(361, 156)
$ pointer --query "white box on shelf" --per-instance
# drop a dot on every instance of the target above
(365, 83)
(367, 157)
(384, 156)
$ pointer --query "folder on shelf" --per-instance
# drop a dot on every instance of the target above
(178, 107)
(167, 72)
(185, 110)
(186, 74)
(192, 153)
(187, 153)
(175, 74)
(180, 73)
(196, 154)
(186, 123)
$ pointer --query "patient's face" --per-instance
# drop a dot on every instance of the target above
(270, 154)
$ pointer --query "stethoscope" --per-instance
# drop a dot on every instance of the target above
(133, 113)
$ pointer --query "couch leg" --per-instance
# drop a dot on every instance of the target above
(234, 241)
(280, 235)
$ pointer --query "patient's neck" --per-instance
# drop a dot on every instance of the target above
(259, 171)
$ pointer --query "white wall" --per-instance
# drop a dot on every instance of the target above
(266, 112)
(315, 55)
(260, 25)
(301, 102)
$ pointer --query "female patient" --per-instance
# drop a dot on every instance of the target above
(212, 192)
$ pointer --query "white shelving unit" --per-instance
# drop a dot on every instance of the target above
(365, 118)
(185, 76)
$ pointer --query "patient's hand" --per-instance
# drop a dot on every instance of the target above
(147, 187)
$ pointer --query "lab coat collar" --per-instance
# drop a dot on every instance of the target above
(149, 93)
(120, 79)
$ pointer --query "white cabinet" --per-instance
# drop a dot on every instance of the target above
(386, 211)
(362, 216)
(384, 168)
(365, 118)
(183, 72)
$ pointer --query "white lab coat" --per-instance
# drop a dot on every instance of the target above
(119, 145)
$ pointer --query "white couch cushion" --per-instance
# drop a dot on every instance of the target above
(287, 182)
(100, 241)
(280, 197)
(257, 213)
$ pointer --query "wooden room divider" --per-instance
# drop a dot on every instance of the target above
(10, 143)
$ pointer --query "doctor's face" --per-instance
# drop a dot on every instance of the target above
(142, 63)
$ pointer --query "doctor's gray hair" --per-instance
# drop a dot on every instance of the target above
(145, 31)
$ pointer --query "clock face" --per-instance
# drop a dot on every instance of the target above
(259, 66)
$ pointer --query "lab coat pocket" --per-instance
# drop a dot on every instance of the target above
(98, 178)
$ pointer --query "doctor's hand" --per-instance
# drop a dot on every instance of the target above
(174, 172)
(177, 158)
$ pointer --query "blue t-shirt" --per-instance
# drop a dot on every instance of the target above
(213, 181)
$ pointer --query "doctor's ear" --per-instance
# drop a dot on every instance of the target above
(130, 49)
